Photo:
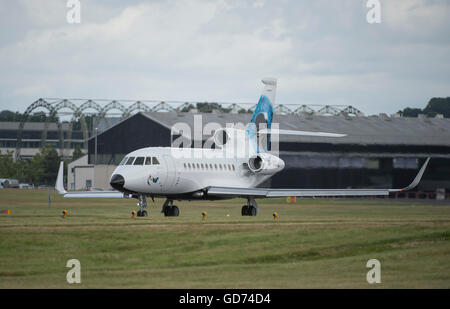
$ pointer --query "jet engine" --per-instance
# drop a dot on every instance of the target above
(265, 164)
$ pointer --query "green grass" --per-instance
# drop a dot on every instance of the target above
(313, 244)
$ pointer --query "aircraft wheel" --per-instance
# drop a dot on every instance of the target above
(144, 213)
(244, 210)
(139, 213)
(252, 211)
(171, 211)
(167, 211)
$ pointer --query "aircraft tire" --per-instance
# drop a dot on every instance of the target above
(244, 210)
(139, 213)
(252, 211)
(171, 211)
(144, 213)
(167, 211)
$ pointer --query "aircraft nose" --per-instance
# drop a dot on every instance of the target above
(117, 182)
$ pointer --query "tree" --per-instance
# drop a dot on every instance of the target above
(411, 112)
(438, 106)
(7, 168)
(435, 106)
(50, 165)
(77, 153)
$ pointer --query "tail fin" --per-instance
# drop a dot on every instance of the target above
(262, 116)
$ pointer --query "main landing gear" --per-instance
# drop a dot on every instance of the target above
(142, 204)
(169, 209)
(251, 209)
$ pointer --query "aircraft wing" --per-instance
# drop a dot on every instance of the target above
(59, 186)
(263, 192)
(94, 194)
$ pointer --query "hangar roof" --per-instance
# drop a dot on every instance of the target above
(32, 126)
(370, 130)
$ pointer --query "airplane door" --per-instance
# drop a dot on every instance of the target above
(169, 179)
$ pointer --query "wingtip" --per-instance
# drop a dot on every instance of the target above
(59, 186)
(417, 179)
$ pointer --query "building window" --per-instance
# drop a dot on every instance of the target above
(88, 183)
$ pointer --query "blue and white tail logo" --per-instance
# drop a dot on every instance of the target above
(262, 117)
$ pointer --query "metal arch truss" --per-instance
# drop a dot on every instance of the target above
(78, 110)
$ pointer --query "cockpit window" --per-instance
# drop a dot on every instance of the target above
(148, 161)
(130, 161)
(139, 161)
(123, 161)
(155, 160)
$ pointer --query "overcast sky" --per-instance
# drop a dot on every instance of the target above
(322, 52)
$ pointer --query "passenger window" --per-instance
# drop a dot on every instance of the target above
(139, 161)
(210, 166)
(155, 160)
(202, 166)
(130, 161)
(215, 166)
(184, 165)
(198, 166)
(123, 161)
(220, 166)
(148, 161)
(189, 165)
(232, 166)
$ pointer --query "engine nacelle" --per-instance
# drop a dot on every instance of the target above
(265, 164)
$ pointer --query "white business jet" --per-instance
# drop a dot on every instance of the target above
(206, 174)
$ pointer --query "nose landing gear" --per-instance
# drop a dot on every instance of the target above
(142, 204)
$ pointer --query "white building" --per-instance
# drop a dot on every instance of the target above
(84, 176)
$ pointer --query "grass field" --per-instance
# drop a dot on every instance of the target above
(313, 244)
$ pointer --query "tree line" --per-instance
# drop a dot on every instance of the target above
(41, 169)
(435, 106)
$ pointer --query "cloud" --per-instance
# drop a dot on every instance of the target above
(322, 52)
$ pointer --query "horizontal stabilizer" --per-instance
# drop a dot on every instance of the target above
(299, 133)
